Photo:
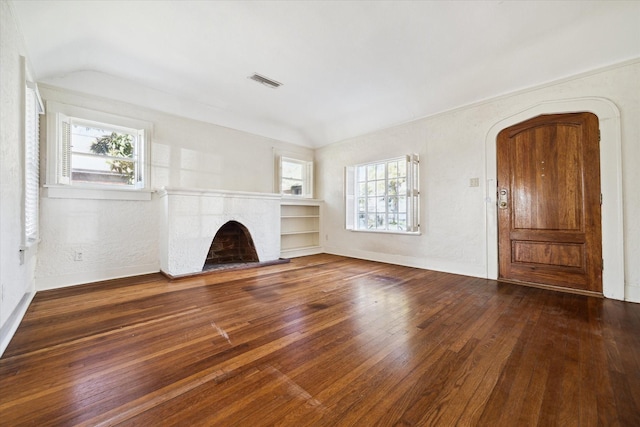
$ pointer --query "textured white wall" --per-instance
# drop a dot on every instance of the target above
(452, 150)
(117, 238)
(121, 238)
(16, 278)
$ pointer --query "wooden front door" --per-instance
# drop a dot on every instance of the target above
(549, 220)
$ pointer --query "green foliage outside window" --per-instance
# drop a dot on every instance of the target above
(117, 145)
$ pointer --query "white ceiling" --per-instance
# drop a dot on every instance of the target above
(348, 67)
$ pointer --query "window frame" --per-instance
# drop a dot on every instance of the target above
(32, 109)
(307, 178)
(412, 195)
(138, 152)
(59, 181)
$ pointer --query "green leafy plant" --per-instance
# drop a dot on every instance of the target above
(117, 145)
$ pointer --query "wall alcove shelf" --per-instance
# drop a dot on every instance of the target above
(300, 227)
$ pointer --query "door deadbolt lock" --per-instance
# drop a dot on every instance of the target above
(502, 198)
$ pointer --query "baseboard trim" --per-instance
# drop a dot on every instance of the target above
(407, 261)
(10, 327)
(632, 293)
(63, 281)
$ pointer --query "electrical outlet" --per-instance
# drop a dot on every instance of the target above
(77, 256)
(474, 182)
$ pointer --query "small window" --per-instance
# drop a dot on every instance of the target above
(103, 154)
(109, 152)
(383, 196)
(296, 177)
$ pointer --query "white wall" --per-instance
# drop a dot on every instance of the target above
(452, 150)
(16, 276)
(120, 238)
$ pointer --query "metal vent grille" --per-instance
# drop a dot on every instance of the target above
(265, 81)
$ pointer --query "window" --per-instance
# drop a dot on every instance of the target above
(384, 196)
(296, 177)
(103, 154)
(93, 149)
(33, 109)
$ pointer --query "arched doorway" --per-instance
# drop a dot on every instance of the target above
(549, 222)
(611, 185)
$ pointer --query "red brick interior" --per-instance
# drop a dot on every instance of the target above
(232, 244)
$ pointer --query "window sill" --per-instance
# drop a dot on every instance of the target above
(30, 243)
(296, 197)
(401, 233)
(70, 192)
(299, 199)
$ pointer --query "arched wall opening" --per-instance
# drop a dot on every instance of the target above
(610, 183)
(231, 244)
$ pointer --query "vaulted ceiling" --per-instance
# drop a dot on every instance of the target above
(347, 67)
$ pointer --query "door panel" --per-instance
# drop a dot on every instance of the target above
(567, 254)
(549, 221)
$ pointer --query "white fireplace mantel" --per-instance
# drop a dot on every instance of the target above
(203, 192)
(190, 218)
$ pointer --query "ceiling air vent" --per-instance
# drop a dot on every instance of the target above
(265, 81)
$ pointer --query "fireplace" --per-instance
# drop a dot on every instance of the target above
(191, 218)
(232, 244)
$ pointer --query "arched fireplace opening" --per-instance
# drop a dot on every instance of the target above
(232, 244)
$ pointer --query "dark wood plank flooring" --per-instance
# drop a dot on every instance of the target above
(321, 341)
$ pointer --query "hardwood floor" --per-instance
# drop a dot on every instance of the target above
(323, 340)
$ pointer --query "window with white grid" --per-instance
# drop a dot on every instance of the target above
(383, 196)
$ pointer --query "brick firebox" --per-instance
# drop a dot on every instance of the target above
(232, 244)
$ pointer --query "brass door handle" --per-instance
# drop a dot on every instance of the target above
(502, 198)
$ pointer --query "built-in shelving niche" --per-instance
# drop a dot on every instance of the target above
(300, 227)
